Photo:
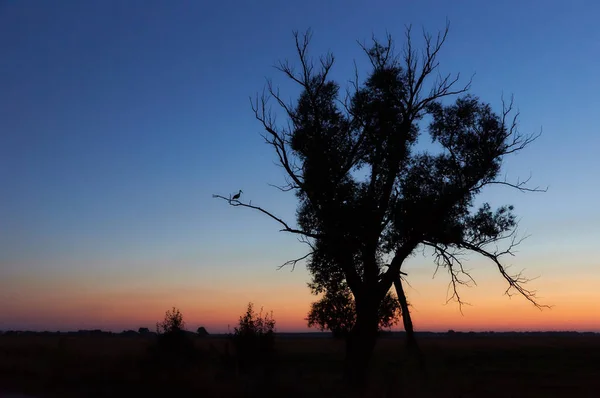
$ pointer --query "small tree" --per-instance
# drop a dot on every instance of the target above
(254, 337)
(173, 348)
(202, 332)
(173, 322)
(336, 312)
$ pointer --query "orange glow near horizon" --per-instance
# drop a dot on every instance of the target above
(53, 303)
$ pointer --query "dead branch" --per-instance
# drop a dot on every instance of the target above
(516, 281)
(452, 261)
(295, 261)
(519, 185)
(429, 63)
(276, 139)
(286, 227)
(285, 188)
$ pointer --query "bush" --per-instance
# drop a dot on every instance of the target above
(254, 338)
(202, 332)
(173, 322)
(173, 346)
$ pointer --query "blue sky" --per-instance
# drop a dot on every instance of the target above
(119, 119)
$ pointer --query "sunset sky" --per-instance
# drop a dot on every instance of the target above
(120, 119)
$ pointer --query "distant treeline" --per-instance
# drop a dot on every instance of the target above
(385, 334)
(95, 332)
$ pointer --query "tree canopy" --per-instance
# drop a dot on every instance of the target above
(336, 312)
(367, 198)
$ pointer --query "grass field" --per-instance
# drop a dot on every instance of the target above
(457, 366)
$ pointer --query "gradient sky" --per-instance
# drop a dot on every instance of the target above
(120, 119)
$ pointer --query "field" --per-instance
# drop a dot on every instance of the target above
(461, 365)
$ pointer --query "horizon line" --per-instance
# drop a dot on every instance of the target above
(449, 331)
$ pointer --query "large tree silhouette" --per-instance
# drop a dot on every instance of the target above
(367, 198)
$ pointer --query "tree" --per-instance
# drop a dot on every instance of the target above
(367, 199)
(172, 323)
(254, 338)
(202, 332)
(174, 348)
(336, 312)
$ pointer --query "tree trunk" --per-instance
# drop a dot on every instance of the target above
(411, 341)
(360, 344)
(412, 346)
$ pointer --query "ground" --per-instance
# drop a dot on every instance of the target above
(457, 365)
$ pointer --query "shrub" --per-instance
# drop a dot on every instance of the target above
(254, 338)
(173, 346)
(173, 322)
(202, 332)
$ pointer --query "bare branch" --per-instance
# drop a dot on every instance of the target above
(451, 261)
(417, 75)
(518, 185)
(305, 240)
(286, 227)
(275, 94)
(285, 188)
(510, 125)
(294, 262)
(379, 54)
(516, 281)
(274, 138)
(307, 65)
(514, 142)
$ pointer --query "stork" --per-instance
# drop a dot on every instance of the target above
(237, 195)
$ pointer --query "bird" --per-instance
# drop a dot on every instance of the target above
(237, 195)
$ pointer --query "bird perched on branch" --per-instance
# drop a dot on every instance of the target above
(237, 195)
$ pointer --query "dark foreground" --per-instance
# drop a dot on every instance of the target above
(457, 366)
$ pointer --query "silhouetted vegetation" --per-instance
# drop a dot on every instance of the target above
(201, 331)
(173, 322)
(174, 347)
(368, 199)
(336, 311)
(254, 338)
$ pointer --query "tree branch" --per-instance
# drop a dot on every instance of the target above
(520, 185)
(285, 188)
(295, 261)
(516, 281)
(443, 87)
(393, 271)
(276, 139)
(451, 260)
(286, 227)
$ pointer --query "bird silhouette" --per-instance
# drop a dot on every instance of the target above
(237, 195)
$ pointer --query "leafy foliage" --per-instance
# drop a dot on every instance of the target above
(336, 312)
(173, 347)
(173, 322)
(254, 337)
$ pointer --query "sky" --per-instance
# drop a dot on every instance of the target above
(120, 119)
